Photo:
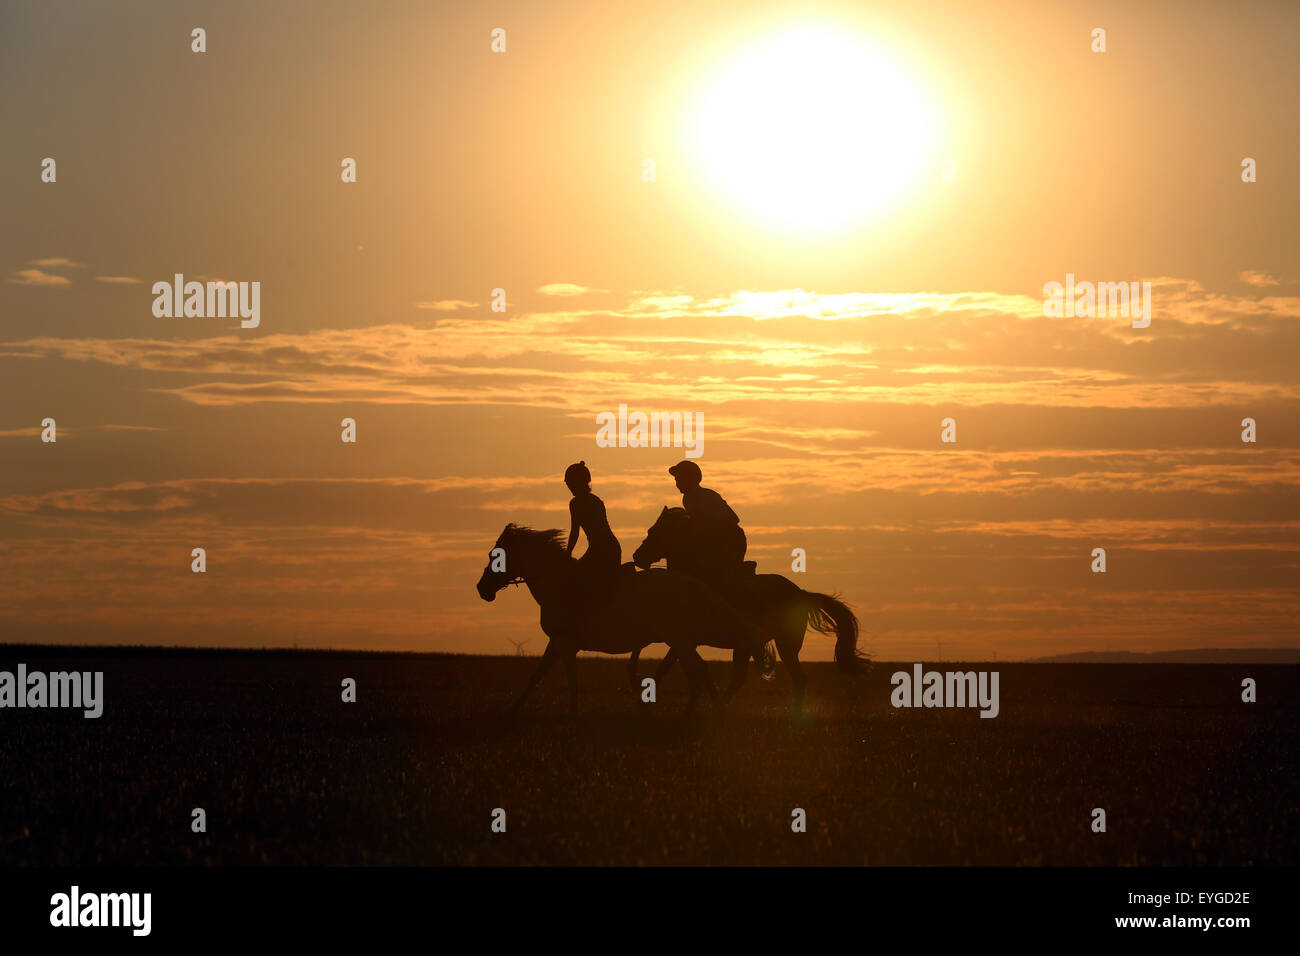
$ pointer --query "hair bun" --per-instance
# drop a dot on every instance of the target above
(582, 462)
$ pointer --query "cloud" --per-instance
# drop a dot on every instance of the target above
(751, 357)
(119, 280)
(57, 262)
(792, 303)
(446, 305)
(567, 289)
(37, 277)
(65, 430)
(1144, 497)
(1257, 278)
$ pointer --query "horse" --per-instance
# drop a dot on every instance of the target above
(769, 599)
(643, 607)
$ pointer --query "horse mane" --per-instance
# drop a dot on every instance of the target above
(550, 539)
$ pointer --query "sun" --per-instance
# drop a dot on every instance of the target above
(813, 131)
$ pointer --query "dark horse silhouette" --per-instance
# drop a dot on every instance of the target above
(772, 601)
(643, 607)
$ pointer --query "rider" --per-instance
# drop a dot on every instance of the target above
(717, 529)
(603, 556)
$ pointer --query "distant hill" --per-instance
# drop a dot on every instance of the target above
(1208, 655)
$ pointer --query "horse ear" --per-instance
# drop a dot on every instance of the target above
(664, 512)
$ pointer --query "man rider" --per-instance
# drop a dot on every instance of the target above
(716, 527)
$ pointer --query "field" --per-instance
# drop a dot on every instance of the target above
(287, 773)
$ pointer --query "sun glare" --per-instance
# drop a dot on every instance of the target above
(813, 131)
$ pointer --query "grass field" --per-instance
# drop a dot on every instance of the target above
(411, 772)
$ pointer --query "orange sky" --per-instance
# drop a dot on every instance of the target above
(822, 366)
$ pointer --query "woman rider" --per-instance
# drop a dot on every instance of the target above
(601, 561)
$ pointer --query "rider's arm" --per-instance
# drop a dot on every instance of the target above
(573, 530)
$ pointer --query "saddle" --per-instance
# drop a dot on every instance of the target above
(734, 580)
(599, 586)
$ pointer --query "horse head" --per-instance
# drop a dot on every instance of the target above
(495, 576)
(666, 538)
(519, 553)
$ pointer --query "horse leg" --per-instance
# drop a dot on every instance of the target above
(790, 658)
(548, 660)
(571, 670)
(631, 670)
(689, 660)
(711, 687)
(696, 664)
(739, 666)
(668, 661)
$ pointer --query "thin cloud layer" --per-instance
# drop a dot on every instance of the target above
(446, 305)
(56, 262)
(1260, 279)
(973, 349)
(38, 278)
(564, 289)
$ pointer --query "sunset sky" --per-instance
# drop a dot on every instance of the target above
(805, 278)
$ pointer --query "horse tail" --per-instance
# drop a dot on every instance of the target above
(827, 614)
